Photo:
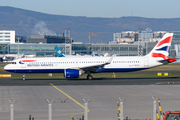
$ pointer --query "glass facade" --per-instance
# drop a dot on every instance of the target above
(176, 39)
(81, 48)
(36, 49)
(118, 49)
(144, 39)
(4, 49)
(49, 49)
(145, 36)
(122, 49)
(40, 50)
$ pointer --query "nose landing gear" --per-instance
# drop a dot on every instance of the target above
(24, 77)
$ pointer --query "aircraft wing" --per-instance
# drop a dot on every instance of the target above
(96, 67)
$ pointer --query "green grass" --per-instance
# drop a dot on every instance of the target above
(168, 67)
(60, 76)
(2, 64)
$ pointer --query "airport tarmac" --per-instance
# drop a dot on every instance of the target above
(31, 97)
(95, 81)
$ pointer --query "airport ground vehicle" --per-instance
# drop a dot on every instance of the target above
(169, 115)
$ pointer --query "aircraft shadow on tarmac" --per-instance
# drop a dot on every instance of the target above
(100, 79)
(95, 81)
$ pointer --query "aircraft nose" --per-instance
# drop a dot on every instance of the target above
(6, 67)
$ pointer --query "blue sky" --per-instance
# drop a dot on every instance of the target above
(101, 8)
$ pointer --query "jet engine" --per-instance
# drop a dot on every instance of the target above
(72, 73)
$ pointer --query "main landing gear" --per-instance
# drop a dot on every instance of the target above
(89, 77)
(24, 77)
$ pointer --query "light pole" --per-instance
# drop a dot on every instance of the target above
(86, 109)
(18, 45)
(154, 108)
(50, 109)
(12, 109)
(121, 106)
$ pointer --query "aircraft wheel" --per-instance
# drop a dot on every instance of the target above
(23, 78)
(89, 77)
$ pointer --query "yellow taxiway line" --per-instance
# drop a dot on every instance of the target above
(68, 96)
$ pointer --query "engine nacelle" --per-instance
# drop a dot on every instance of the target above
(72, 73)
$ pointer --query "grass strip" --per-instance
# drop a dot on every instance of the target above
(56, 76)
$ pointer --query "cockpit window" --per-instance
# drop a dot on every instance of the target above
(12, 62)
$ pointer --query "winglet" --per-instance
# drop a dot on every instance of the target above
(106, 54)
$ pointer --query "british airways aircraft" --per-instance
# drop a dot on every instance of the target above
(73, 67)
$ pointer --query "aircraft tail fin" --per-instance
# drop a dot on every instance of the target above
(161, 50)
(58, 52)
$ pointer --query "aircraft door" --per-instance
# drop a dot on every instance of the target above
(76, 63)
(23, 66)
(146, 62)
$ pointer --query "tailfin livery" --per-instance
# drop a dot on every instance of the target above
(161, 50)
(58, 52)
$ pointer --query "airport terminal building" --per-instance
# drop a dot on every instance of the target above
(81, 49)
(124, 44)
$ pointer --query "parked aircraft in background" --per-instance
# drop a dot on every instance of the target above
(73, 67)
(9, 57)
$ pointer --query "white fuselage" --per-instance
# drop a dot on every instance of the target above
(59, 64)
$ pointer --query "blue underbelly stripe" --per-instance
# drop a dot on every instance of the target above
(62, 70)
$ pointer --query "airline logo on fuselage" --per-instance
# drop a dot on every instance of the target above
(30, 63)
(23, 61)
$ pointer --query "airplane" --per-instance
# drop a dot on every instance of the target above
(8, 57)
(73, 67)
